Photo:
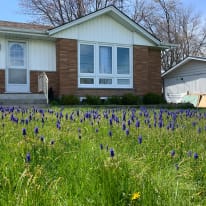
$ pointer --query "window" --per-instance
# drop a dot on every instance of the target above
(104, 66)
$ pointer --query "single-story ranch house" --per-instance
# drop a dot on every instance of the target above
(187, 77)
(104, 53)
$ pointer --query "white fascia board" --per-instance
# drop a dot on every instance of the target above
(182, 63)
(30, 32)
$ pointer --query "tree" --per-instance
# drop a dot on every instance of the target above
(58, 12)
(169, 21)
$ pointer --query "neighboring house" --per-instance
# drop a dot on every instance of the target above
(104, 53)
(187, 77)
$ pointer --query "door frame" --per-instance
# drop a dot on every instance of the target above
(17, 88)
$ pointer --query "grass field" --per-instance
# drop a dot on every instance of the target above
(102, 157)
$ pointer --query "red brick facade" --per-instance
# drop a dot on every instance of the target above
(2, 81)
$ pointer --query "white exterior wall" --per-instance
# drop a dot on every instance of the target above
(190, 77)
(2, 53)
(103, 29)
(42, 55)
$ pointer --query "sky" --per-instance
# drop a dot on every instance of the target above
(11, 11)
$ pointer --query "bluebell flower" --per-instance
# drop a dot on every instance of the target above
(127, 132)
(195, 155)
(139, 139)
(36, 130)
(123, 126)
(42, 138)
(110, 133)
(172, 153)
(101, 146)
(52, 142)
(28, 157)
(24, 131)
(111, 152)
(137, 125)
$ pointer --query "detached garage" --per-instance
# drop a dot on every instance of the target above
(187, 77)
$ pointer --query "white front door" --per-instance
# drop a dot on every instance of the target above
(17, 75)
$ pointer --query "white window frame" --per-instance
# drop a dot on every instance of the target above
(114, 76)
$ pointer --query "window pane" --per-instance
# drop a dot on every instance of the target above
(16, 54)
(105, 59)
(105, 81)
(123, 81)
(86, 81)
(86, 58)
(123, 60)
(17, 76)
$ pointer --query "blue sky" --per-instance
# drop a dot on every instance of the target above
(10, 10)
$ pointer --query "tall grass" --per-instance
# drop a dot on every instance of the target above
(65, 157)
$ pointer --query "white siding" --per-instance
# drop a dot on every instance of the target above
(42, 55)
(103, 29)
(2, 53)
(190, 77)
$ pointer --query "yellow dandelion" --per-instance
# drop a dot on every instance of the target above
(136, 196)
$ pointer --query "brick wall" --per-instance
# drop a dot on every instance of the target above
(2, 81)
(146, 72)
(53, 81)
(147, 68)
(66, 51)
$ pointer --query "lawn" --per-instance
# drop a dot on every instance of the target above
(102, 156)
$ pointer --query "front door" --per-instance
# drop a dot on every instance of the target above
(17, 77)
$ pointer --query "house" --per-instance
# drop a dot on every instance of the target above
(187, 77)
(104, 53)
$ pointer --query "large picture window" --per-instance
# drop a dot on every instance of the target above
(104, 66)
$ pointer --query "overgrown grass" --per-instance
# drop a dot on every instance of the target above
(65, 157)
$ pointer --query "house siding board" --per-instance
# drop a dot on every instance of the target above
(103, 29)
(42, 55)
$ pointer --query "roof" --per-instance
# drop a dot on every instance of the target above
(186, 60)
(117, 15)
(7, 27)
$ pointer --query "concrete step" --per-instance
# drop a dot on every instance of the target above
(22, 98)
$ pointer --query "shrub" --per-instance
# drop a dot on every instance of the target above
(152, 98)
(69, 100)
(130, 99)
(117, 100)
(92, 100)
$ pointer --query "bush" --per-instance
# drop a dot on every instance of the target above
(117, 100)
(152, 98)
(130, 99)
(92, 100)
(69, 100)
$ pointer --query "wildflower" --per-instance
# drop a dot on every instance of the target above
(52, 142)
(24, 131)
(136, 196)
(177, 166)
(42, 138)
(127, 132)
(101, 146)
(140, 139)
(172, 153)
(96, 130)
(123, 126)
(137, 124)
(111, 152)
(36, 130)
(28, 157)
(195, 156)
(110, 133)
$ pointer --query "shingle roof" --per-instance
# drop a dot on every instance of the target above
(18, 25)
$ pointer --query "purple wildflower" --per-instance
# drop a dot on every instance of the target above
(127, 132)
(24, 131)
(36, 130)
(172, 153)
(101, 146)
(28, 157)
(111, 152)
(140, 139)
(195, 156)
(137, 124)
(110, 133)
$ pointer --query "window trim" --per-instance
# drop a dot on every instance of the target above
(114, 76)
